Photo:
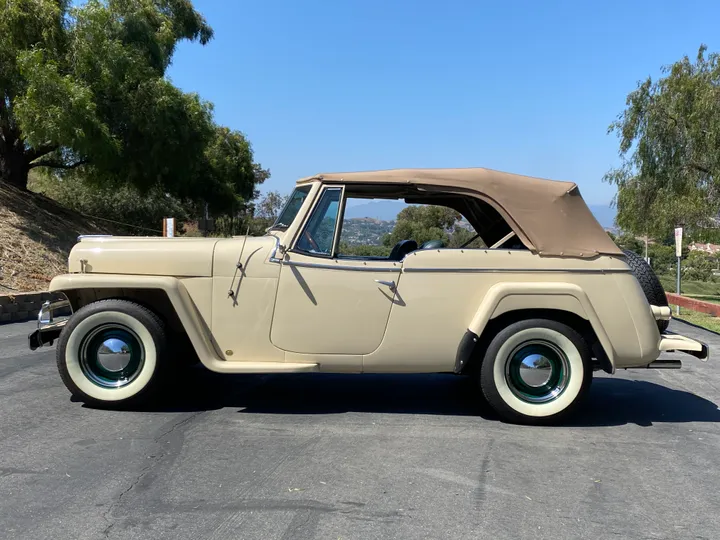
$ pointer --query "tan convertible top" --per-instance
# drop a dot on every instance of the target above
(550, 217)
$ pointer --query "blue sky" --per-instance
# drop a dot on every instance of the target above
(520, 86)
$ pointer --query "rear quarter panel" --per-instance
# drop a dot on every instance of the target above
(441, 292)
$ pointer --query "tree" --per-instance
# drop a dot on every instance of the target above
(269, 207)
(85, 87)
(699, 266)
(669, 140)
(428, 222)
(628, 241)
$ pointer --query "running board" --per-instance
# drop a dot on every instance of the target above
(267, 367)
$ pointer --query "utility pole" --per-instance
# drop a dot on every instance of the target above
(678, 254)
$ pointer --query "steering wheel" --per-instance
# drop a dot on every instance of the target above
(311, 241)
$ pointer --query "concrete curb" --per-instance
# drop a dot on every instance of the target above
(24, 306)
(693, 304)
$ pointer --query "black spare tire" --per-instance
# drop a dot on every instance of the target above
(649, 282)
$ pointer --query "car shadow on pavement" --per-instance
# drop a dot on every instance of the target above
(612, 401)
(438, 394)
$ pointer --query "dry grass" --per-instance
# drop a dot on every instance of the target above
(36, 235)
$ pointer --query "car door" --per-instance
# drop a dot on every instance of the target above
(326, 305)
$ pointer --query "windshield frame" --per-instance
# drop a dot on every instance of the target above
(279, 225)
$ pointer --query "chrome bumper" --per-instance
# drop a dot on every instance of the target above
(49, 328)
(670, 342)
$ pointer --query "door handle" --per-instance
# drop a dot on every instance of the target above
(389, 284)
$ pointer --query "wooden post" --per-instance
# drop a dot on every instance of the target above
(169, 227)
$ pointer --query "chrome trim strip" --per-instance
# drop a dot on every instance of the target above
(520, 270)
(341, 267)
(80, 238)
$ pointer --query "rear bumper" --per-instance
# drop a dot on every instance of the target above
(670, 342)
(49, 328)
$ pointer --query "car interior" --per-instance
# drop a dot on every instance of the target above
(488, 224)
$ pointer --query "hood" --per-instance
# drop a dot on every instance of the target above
(150, 256)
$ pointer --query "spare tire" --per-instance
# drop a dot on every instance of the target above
(649, 282)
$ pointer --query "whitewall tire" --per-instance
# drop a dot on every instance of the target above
(111, 352)
(536, 371)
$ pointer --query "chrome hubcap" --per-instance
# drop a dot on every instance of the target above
(111, 356)
(114, 355)
(537, 371)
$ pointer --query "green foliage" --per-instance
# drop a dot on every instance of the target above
(426, 222)
(124, 204)
(669, 134)
(698, 266)
(662, 258)
(628, 241)
(364, 250)
(270, 206)
(253, 219)
(691, 288)
(84, 86)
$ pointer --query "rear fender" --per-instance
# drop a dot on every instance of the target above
(505, 298)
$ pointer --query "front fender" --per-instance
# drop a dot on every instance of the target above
(193, 324)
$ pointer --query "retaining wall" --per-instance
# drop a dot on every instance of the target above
(24, 306)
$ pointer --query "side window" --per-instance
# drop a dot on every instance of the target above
(319, 233)
(385, 228)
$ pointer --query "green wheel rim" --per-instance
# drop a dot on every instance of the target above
(537, 371)
(111, 356)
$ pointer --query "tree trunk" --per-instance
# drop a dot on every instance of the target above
(14, 169)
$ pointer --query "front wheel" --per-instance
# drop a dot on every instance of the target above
(111, 353)
(535, 371)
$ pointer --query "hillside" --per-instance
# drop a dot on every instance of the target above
(365, 231)
(36, 235)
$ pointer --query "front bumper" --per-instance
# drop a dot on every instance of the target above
(49, 325)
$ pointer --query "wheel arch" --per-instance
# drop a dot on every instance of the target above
(166, 296)
(506, 303)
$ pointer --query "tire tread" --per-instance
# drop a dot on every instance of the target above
(649, 282)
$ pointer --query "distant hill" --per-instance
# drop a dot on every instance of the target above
(365, 231)
(381, 210)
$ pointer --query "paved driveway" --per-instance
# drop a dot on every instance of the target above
(308, 456)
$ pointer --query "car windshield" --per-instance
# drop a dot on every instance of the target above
(291, 208)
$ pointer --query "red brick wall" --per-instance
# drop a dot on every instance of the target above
(695, 305)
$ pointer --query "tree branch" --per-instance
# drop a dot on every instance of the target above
(58, 164)
(40, 151)
(700, 168)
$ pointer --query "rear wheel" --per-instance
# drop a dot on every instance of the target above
(111, 353)
(535, 371)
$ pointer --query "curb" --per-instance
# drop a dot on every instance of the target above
(693, 304)
(21, 307)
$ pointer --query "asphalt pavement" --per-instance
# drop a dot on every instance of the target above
(357, 457)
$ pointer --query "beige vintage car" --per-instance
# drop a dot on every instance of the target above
(547, 301)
